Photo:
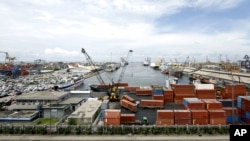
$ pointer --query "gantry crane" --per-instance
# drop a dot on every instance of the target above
(112, 90)
(8, 59)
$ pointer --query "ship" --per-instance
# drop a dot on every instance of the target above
(71, 82)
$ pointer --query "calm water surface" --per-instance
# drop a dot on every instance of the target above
(135, 75)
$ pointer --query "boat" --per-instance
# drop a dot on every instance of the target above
(71, 82)
(146, 62)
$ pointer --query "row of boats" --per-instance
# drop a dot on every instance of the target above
(31, 83)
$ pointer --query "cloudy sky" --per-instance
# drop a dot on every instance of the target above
(56, 30)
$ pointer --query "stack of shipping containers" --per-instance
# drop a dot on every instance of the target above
(112, 117)
(165, 117)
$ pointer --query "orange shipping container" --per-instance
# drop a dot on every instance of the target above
(128, 98)
(196, 105)
(167, 121)
(182, 114)
(217, 113)
(131, 88)
(110, 113)
(129, 105)
(196, 114)
(165, 114)
(151, 103)
(184, 89)
(200, 121)
(112, 121)
(206, 93)
(158, 97)
(212, 104)
(143, 91)
(215, 121)
(127, 118)
(183, 121)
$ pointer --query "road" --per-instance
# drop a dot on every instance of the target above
(114, 138)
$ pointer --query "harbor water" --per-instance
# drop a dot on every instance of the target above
(135, 74)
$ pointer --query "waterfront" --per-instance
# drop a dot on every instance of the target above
(135, 75)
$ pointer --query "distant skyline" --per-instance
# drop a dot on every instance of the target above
(56, 30)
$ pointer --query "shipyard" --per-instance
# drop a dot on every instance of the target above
(132, 96)
(124, 70)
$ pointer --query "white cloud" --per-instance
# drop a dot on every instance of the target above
(105, 26)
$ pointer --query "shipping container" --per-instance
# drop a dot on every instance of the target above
(112, 121)
(217, 113)
(183, 121)
(167, 121)
(197, 114)
(200, 121)
(185, 89)
(226, 102)
(206, 94)
(158, 97)
(131, 88)
(127, 97)
(127, 118)
(128, 105)
(151, 103)
(217, 121)
(165, 114)
(182, 114)
(143, 91)
(239, 100)
(112, 113)
(212, 104)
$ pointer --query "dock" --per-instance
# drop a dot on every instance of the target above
(230, 76)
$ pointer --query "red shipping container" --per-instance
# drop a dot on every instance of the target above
(178, 102)
(196, 114)
(151, 103)
(182, 114)
(200, 121)
(127, 118)
(167, 121)
(212, 104)
(110, 113)
(121, 84)
(128, 98)
(206, 94)
(131, 88)
(129, 105)
(158, 97)
(237, 89)
(183, 121)
(245, 104)
(217, 113)
(184, 89)
(165, 114)
(215, 121)
(143, 91)
(230, 111)
(112, 121)
(196, 105)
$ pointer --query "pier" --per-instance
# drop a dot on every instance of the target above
(230, 76)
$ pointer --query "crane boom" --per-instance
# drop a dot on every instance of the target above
(98, 76)
(124, 67)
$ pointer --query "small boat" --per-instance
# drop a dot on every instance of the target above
(146, 62)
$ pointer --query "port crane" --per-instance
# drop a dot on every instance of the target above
(112, 90)
(8, 59)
